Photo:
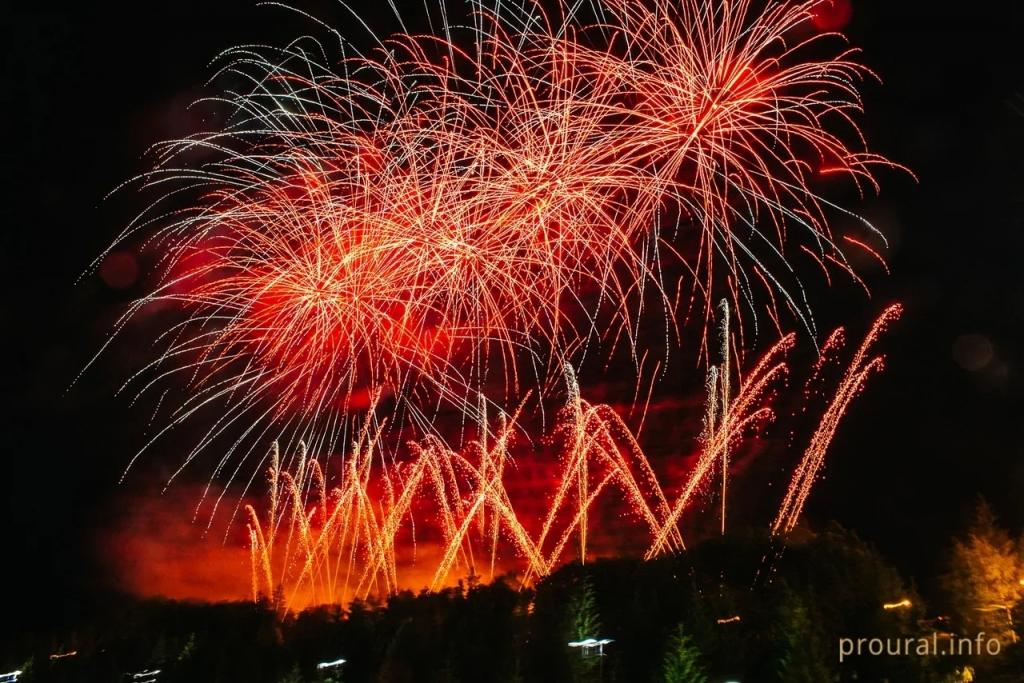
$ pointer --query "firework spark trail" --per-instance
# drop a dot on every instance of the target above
(597, 436)
(807, 472)
(357, 525)
(353, 528)
(724, 425)
(337, 258)
(737, 119)
(424, 222)
(421, 223)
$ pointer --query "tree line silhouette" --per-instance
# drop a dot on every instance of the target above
(739, 607)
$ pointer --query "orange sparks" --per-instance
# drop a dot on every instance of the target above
(429, 221)
(435, 227)
(807, 472)
(334, 545)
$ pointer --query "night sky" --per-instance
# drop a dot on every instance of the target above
(87, 90)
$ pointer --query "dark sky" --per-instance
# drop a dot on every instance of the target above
(86, 90)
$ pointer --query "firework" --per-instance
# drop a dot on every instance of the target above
(807, 472)
(332, 545)
(735, 116)
(366, 244)
(425, 218)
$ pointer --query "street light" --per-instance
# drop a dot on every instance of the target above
(149, 676)
(904, 603)
(588, 644)
(330, 665)
(10, 677)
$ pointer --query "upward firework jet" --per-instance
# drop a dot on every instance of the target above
(434, 222)
(807, 472)
(333, 545)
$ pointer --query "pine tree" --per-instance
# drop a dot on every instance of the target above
(293, 676)
(279, 602)
(584, 622)
(682, 660)
(188, 650)
(985, 582)
(804, 653)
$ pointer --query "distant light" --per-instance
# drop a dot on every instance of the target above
(897, 605)
(146, 676)
(729, 620)
(62, 655)
(589, 644)
(330, 665)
